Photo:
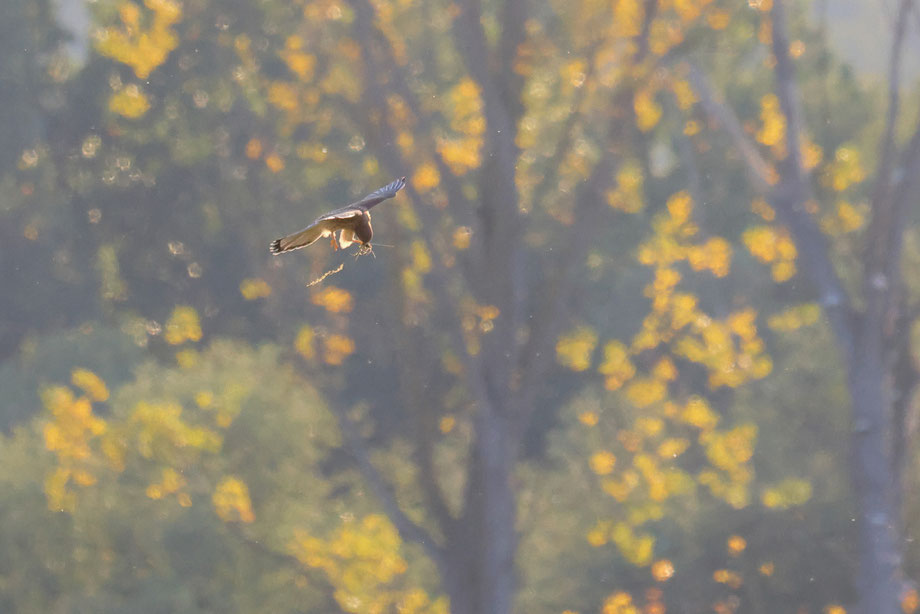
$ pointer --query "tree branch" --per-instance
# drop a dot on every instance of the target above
(498, 279)
(408, 530)
(758, 169)
(500, 127)
(514, 18)
(401, 87)
(787, 92)
(415, 375)
(792, 191)
(888, 146)
(551, 176)
(391, 157)
(537, 354)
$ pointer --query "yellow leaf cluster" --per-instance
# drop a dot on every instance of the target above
(673, 447)
(141, 49)
(620, 488)
(714, 255)
(162, 433)
(729, 578)
(628, 16)
(763, 209)
(446, 424)
(772, 245)
(187, 358)
(73, 423)
(636, 548)
(684, 93)
(90, 383)
(844, 219)
(274, 162)
(617, 367)
(731, 350)
(283, 95)
(787, 493)
(464, 109)
(69, 435)
(362, 561)
(698, 413)
(689, 10)
(735, 493)
(462, 237)
(671, 241)
(845, 170)
(627, 196)
(735, 545)
(602, 462)
(644, 391)
(795, 318)
(171, 483)
(300, 62)
(254, 288)
(303, 343)
(183, 325)
(421, 258)
(231, 501)
(731, 450)
(426, 177)
(574, 349)
(204, 399)
(129, 101)
(648, 111)
(620, 602)
(253, 148)
(662, 570)
(337, 349)
(333, 299)
(773, 123)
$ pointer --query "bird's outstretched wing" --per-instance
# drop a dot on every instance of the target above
(387, 191)
(302, 238)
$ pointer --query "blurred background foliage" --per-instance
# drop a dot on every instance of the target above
(170, 390)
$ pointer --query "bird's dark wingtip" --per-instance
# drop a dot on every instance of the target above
(275, 247)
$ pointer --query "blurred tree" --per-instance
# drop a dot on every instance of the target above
(871, 310)
(549, 149)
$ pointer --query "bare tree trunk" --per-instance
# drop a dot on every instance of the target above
(496, 511)
(880, 374)
(481, 548)
(880, 578)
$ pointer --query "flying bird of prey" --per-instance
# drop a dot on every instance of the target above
(352, 222)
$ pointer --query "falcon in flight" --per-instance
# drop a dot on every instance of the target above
(352, 222)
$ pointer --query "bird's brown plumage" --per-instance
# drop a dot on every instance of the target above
(352, 222)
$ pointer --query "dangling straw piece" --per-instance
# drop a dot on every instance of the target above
(325, 275)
